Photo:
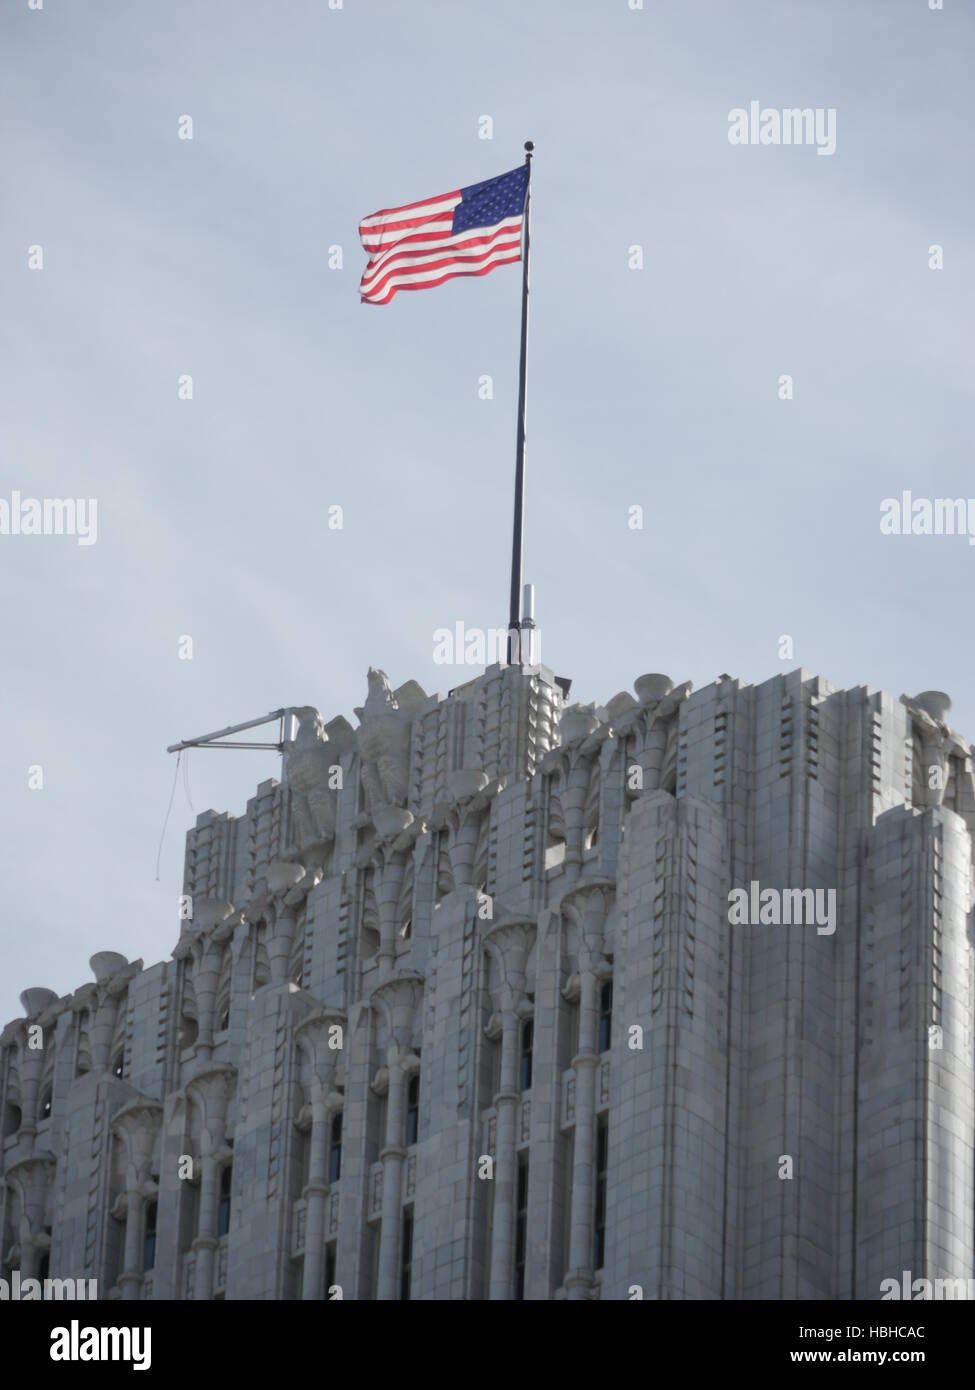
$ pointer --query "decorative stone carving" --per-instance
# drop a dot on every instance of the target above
(307, 760)
(469, 794)
(384, 741)
(650, 722)
(584, 730)
(934, 745)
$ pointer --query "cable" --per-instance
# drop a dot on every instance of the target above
(168, 809)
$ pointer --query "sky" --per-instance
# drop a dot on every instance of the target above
(214, 258)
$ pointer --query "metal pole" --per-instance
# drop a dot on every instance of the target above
(518, 530)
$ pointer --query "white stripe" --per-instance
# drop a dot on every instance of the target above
(495, 258)
(383, 219)
(422, 250)
(461, 256)
(389, 236)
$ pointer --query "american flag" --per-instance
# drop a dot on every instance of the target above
(466, 232)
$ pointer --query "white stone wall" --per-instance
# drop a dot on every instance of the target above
(796, 1123)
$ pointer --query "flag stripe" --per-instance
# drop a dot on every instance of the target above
(407, 281)
(416, 250)
(421, 268)
(445, 202)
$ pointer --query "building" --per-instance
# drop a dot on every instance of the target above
(474, 1005)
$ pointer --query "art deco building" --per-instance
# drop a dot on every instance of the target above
(458, 1011)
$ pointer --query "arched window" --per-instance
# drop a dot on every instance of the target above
(223, 1211)
(413, 1109)
(335, 1149)
(527, 1044)
(46, 1097)
(45, 1270)
(605, 1016)
(11, 1118)
(149, 1242)
(118, 1065)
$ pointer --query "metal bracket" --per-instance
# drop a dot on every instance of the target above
(286, 727)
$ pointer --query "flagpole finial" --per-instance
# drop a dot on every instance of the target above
(529, 145)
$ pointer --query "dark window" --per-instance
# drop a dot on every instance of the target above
(335, 1149)
(527, 1042)
(149, 1244)
(224, 1021)
(46, 1104)
(599, 1225)
(223, 1212)
(605, 1016)
(329, 1266)
(45, 1270)
(118, 1064)
(413, 1109)
(406, 1255)
(521, 1226)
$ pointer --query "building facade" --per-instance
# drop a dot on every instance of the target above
(497, 997)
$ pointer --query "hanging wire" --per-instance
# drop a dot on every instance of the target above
(186, 782)
(168, 809)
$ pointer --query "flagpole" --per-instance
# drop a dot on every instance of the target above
(518, 529)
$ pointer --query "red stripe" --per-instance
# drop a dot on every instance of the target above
(408, 251)
(379, 246)
(429, 284)
(388, 273)
(423, 203)
(378, 236)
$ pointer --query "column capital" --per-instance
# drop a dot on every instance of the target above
(509, 944)
(211, 1090)
(397, 1002)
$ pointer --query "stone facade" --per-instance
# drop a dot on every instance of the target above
(459, 1011)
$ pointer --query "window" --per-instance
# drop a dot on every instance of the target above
(46, 1104)
(521, 1226)
(224, 1023)
(527, 1041)
(149, 1242)
(413, 1109)
(605, 1016)
(329, 1267)
(599, 1225)
(223, 1212)
(406, 1254)
(406, 930)
(118, 1065)
(335, 1149)
(45, 1270)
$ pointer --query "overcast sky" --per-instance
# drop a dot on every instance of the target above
(656, 387)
